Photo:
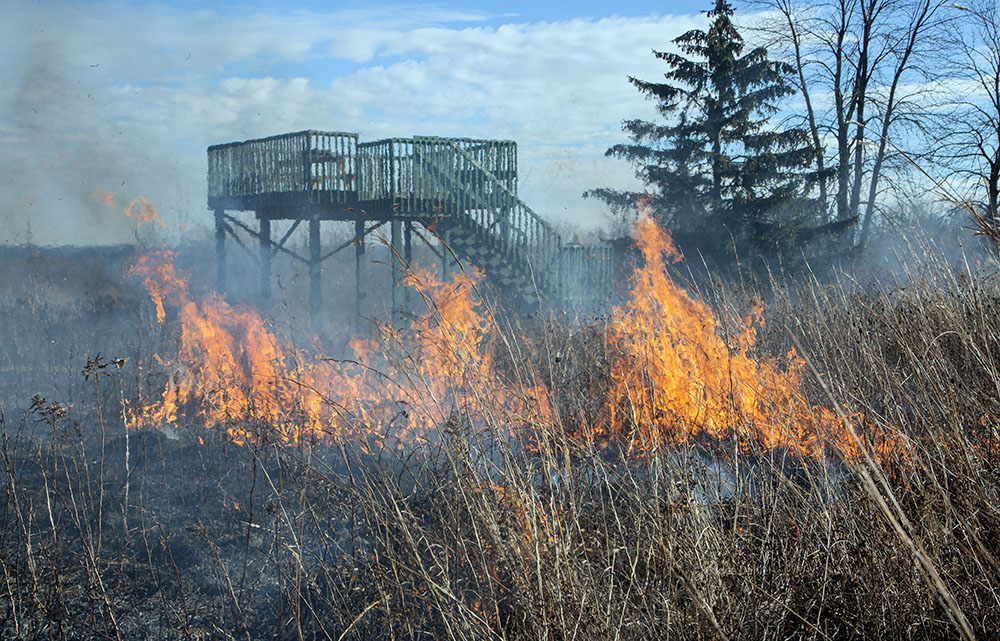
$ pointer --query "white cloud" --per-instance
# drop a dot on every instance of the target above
(126, 98)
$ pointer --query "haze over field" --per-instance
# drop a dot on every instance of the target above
(126, 97)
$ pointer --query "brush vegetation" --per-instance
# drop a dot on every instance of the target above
(544, 535)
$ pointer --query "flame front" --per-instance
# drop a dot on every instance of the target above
(232, 372)
(676, 375)
(229, 367)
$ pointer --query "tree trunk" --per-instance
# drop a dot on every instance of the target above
(859, 98)
(810, 114)
(916, 30)
(840, 106)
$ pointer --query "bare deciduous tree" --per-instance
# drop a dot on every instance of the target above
(904, 52)
(971, 135)
(864, 68)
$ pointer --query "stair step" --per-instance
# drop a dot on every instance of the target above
(497, 251)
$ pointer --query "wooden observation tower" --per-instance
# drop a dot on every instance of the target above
(460, 190)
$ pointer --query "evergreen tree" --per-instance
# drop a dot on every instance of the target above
(716, 171)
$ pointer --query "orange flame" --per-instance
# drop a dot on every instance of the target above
(452, 357)
(232, 371)
(143, 212)
(105, 197)
(676, 374)
(140, 209)
(229, 368)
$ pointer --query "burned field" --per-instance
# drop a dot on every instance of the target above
(820, 466)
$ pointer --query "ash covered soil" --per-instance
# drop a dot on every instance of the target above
(193, 537)
(212, 540)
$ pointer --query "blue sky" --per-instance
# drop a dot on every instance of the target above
(125, 96)
(498, 12)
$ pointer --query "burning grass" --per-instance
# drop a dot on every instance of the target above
(684, 470)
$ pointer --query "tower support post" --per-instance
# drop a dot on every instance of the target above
(265, 256)
(397, 272)
(361, 291)
(315, 288)
(220, 251)
(408, 258)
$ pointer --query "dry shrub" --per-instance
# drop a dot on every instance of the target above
(549, 534)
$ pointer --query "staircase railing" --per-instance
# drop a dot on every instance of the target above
(490, 201)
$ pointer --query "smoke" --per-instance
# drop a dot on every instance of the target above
(126, 97)
(917, 236)
(60, 147)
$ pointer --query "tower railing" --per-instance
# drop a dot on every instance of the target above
(314, 166)
(467, 185)
(391, 169)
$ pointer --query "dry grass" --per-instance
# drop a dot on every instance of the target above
(543, 536)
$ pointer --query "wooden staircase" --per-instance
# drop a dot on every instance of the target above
(485, 222)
